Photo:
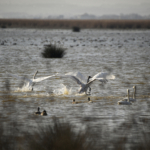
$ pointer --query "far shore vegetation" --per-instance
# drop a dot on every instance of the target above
(70, 24)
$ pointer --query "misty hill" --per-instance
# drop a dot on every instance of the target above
(121, 16)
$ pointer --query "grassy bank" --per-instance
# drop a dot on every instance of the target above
(69, 24)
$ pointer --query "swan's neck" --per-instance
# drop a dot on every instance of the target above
(35, 74)
(134, 93)
(128, 94)
(88, 78)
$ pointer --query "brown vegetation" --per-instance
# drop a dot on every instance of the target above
(69, 24)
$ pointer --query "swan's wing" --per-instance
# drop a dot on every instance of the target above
(78, 81)
(86, 86)
(35, 74)
(103, 75)
(42, 78)
(77, 75)
(81, 77)
(99, 79)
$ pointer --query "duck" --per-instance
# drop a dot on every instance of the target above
(38, 112)
(89, 101)
(84, 85)
(31, 82)
(74, 102)
(125, 101)
(44, 113)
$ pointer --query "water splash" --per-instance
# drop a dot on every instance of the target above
(24, 88)
(63, 90)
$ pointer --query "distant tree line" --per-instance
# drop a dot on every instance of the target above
(69, 24)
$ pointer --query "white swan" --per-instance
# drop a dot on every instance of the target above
(133, 98)
(125, 101)
(30, 82)
(80, 79)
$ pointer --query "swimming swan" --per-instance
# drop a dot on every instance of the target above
(125, 101)
(133, 98)
(80, 79)
(30, 82)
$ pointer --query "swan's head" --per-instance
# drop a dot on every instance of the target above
(89, 77)
(134, 86)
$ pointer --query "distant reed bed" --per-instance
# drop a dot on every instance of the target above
(70, 24)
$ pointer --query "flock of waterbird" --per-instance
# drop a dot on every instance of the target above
(44, 113)
(128, 100)
(76, 76)
(103, 77)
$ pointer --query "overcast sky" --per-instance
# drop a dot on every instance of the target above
(74, 7)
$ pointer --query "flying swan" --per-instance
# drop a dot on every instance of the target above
(80, 79)
(29, 83)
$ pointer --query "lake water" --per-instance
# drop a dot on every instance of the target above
(124, 53)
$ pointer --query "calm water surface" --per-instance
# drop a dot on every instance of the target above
(124, 53)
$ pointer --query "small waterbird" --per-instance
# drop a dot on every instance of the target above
(74, 102)
(38, 112)
(44, 113)
(89, 100)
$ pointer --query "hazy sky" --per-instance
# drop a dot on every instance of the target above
(74, 7)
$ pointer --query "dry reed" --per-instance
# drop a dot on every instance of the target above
(69, 24)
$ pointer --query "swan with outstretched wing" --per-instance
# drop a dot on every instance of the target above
(31, 82)
(79, 79)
